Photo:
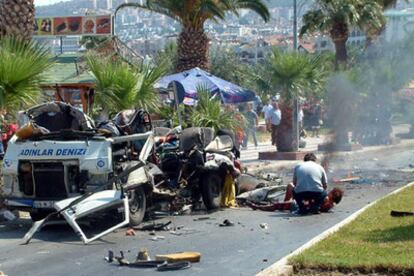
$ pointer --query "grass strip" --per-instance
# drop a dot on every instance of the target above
(374, 242)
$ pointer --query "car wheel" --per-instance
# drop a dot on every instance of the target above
(212, 186)
(137, 206)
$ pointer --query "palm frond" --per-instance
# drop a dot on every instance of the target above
(22, 64)
(121, 86)
(296, 74)
(258, 6)
(171, 9)
(209, 113)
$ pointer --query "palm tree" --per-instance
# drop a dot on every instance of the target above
(209, 113)
(336, 17)
(122, 86)
(17, 18)
(22, 64)
(193, 43)
(295, 75)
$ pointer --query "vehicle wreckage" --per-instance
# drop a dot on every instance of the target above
(61, 164)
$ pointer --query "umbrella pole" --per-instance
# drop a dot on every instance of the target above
(180, 120)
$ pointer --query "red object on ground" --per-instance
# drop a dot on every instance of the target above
(130, 232)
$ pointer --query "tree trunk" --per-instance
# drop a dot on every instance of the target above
(285, 141)
(17, 18)
(193, 47)
(339, 35)
(341, 55)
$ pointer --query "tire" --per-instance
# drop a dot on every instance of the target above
(137, 206)
(36, 216)
(211, 189)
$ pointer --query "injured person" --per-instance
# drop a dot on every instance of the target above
(333, 198)
(307, 192)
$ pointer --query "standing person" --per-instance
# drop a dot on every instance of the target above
(273, 118)
(266, 108)
(9, 128)
(316, 120)
(2, 125)
(310, 181)
(252, 122)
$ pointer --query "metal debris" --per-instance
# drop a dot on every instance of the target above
(157, 238)
(110, 257)
(226, 223)
(264, 226)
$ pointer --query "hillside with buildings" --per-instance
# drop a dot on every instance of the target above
(248, 36)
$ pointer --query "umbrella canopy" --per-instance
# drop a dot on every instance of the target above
(188, 82)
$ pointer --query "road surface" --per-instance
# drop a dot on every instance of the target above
(243, 249)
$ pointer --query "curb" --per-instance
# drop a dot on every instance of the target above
(282, 266)
(273, 164)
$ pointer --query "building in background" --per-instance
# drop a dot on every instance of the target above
(400, 23)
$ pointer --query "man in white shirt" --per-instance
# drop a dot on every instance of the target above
(266, 108)
(273, 118)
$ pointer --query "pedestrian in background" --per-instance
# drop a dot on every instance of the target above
(316, 121)
(274, 116)
(252, 120)
(266, 108)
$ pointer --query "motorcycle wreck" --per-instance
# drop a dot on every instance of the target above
(60, 165)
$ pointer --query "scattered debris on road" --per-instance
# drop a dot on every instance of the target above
(110, 257)
(193, 257)
(154, 226)
(262, 194)
(202, 218)
(173, 266)
(347, 179)
(226, 223)
(143, 255)
(157, 238)
(264, 226)
(165, 262)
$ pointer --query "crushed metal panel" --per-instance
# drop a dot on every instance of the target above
(221, 143)
(136, 178)
(96, 202)
(147, 148)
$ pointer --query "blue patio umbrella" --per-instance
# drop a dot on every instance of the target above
(188, 81)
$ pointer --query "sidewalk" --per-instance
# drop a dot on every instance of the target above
(250, 156)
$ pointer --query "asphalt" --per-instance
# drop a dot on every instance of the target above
(242, 249)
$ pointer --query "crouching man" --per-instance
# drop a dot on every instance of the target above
(310, 181)
(308, 190)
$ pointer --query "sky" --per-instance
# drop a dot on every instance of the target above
(47, 2)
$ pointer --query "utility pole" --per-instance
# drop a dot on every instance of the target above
(295, 123)
(295, 25)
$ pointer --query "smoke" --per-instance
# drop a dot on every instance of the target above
(359, 100)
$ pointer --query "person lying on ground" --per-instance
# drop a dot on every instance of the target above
(332, 199)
